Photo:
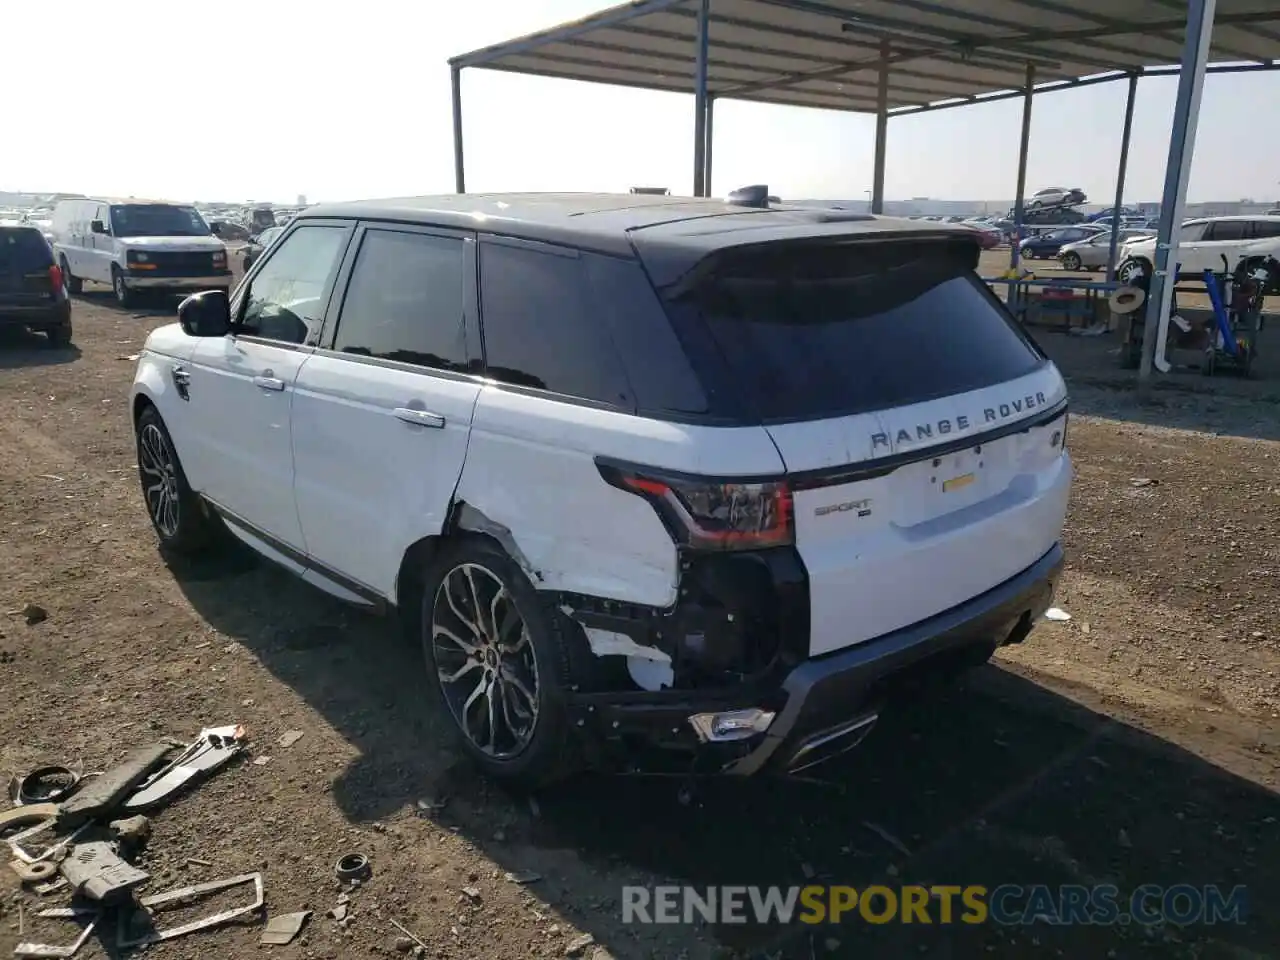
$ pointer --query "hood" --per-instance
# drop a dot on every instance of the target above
(180, 244)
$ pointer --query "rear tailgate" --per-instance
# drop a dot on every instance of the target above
(25, 260)
(923, 433)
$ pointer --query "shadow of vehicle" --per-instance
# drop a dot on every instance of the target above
(20, 347)
(991, 781)
(148, 304)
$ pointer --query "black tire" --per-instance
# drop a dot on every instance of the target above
(188, 529)
(546, 748)
(1132, 270)
(1025, 253)
(124, 296)
(1071, 261)
(74, 284)
(59, 336)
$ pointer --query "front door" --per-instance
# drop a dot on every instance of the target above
(382, 413)
(242, 385)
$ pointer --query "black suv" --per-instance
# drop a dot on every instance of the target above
(32, 291)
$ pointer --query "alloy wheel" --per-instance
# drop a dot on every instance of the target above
(159, 479)
(117, 283)
(485, 661)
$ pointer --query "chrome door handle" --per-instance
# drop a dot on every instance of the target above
(269, 383)
(181, 375)
(421, 418)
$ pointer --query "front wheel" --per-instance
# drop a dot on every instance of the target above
(1133, 271)
(176, 512)
(1071, 261)
(498, 656)
(124, 296)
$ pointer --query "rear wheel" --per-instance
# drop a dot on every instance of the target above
(59, 336)
(176, 512)
(124, 296)
(1071, 261)
(499, 657)
(74, 284)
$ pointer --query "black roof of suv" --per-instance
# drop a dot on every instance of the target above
(669, 232)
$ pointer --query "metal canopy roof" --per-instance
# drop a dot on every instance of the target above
(827, 53)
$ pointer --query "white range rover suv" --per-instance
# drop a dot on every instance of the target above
(1238, 246)
(660, 483)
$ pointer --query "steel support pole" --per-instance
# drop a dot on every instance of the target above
(700, 102)
(710, 139)
(459, 175)
(1120, 175)
(1028, 93)
(1182, 143)
(882, 130)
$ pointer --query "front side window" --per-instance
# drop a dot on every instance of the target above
(156, 220)
(1228, 230)
(1192, 232)
(541, 328)
(405, 301)
(286, 298)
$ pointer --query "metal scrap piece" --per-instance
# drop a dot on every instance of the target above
(200, 889)
(46, 951)
(47, 785)
(49, 852)
(95, 870)
(32, 873)
(27, 814)
(210, 750)
(104, 793)
(281, 930)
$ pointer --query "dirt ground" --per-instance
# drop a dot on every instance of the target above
(1138, 742)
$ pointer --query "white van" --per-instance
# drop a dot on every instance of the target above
(136, 245)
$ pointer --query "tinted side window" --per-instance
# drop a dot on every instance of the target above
(1227, 230)
(286, 298)
(1266, 228)
(405, 301)
(541, 326)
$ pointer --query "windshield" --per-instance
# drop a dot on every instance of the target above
(157, 220)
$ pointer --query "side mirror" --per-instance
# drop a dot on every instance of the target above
(215, 228)
(98, 227)
(205, 314)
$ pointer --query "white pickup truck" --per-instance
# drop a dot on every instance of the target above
(1249, 244)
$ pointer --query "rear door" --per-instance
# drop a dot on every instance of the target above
(922, 432)
(382, 414)
(25, 259)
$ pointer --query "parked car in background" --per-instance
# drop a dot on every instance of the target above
(988, 236)
(1045, 246)
(1233, 244)
(1053, 196)
(1091, 253)
(609, 463)
(33, 293)
(253, 249)
(137, 245)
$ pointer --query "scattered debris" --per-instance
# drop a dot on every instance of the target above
(578, 945)
(15, 842)
(887, 837)
(352, 866)
(198, 862)
(125, 942)
(50, 952)
(49, 784)
(104, 793)
(1143, 482)
(431, 805)
(44, 889)
(261, 761)
(281, 930)
(338, 912)
(401, 944)
(96, 871)
(25, 816)
(33, 872)
(133, 831)
(1057, 613)
(408, 933)
(523, 877)
(33, 613)
(290, 737)
(472, 894)
(213, 748)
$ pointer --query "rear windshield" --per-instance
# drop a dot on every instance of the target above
(830, 330)
(23, 250)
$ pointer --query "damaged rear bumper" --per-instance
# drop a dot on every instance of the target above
(824, 705)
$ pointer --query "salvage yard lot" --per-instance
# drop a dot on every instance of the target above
(1137, 743)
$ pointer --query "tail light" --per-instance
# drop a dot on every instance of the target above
(55, 279)
(712, 515)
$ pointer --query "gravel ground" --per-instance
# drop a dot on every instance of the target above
(1138, 742)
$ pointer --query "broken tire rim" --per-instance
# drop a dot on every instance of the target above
(47, 785)
(485, 661)
(159, 479)
(352, 866)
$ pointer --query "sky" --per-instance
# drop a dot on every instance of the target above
(342, 100)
